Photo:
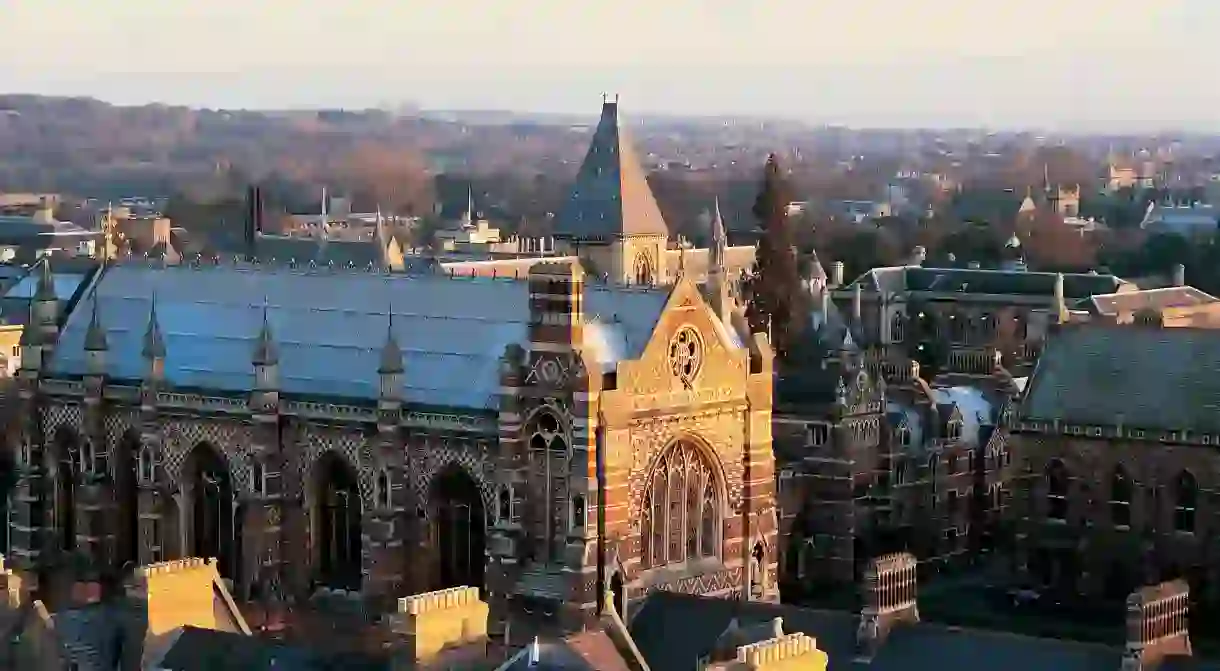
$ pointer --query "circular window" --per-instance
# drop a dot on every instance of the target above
(686, 355)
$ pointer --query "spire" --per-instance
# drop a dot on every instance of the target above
(383, 241)
(154, 344)
(718, 251)
(1046, 177)
(266, 352)
(95, 335)
(391, 353)
(610, 197)
(46, 281)
(1061, 311)
(468, 219)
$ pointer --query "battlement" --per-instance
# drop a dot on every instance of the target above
(890, 582)
(175, 566)
(1157, 613)
(790, 651)
(432, 623)
(445, 599)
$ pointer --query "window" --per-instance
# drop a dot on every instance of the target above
(88, 458)
(504, 509)
(549, 461)
(1120, 498)
(258, 477)
(1056, 491)
(904, 436)
(954, 464)
(578, 512)
(384, 490)
(1186, 497)
(954, 429)
(953, 502)
(147, 466)
(680, 512)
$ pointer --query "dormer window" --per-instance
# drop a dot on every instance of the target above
(954, 429)
(904, 436)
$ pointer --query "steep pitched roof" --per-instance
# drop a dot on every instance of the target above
(1153, 378)
(611, 196)
(330, 328)
(674, 631)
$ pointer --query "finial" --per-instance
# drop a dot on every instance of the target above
(95, 335)
(391, 353)
(266, 353)
(154, 343)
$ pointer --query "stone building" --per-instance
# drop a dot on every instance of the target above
(544, 439)
(1114, 461)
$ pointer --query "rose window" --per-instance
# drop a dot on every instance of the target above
(686, 355)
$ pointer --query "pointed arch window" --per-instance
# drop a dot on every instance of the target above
(504, 506)
(88, 458)
(1186, 499)
(549, 460)
(578, 512)
(680, 514)
(384, 490)
(1120, 498)
(1057, 490)
(146, 466)
(258, 477)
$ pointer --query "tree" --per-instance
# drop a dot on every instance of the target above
(391, 177)
(776, 300)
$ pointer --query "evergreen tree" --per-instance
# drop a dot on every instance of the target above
(776, 301)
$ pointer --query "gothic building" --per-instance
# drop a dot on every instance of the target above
(1114, 461)
(544, 439)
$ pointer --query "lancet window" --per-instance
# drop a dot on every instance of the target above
(680, 515)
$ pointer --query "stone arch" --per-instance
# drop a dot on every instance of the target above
(209, 488)
(180, 438)
(642, 269)
(337, 513)
(705, 449)
(458, 520)
(683, 504)
(441, 458)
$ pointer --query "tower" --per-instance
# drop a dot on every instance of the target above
(385, 565)
(611, 219)
(153, 495)
(263, 516)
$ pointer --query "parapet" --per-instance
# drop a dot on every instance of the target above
(791, 651)
(445, 599)
(175, 566)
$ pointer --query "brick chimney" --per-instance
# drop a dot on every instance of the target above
(432, 624)
(1157, 625)
(890, 598)
(782, 653)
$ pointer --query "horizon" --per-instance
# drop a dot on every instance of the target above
(882, 64)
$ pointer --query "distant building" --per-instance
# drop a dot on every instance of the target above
(1190, 220)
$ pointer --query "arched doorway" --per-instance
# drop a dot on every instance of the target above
(458, 528)
(338, 526)
(210, 488)
(66, 449)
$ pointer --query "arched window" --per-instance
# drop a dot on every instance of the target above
(896, 334)
(643, 269)
(504, 508)
(258, 477)
(146, 466)
(904, 436)
(88, 458)
(384, 491)
(578, 512)
(549, 461)
(1056, 490)
(1120, 498)
(1186, 498)
(954, 429)
(680, 513)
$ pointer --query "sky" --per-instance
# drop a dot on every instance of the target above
(1061, 64)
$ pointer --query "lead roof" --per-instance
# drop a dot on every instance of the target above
(330, 328)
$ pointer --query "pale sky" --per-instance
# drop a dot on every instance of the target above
(1063, 63)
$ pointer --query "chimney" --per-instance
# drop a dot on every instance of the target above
(183, 592)
(427, 625)
(1179, 275)
(836, 274)
(890, 598)
(789, 651)
(1157, 619)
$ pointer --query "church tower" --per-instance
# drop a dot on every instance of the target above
(611, 219)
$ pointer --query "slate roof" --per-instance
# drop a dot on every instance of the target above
(92, 636)
(209, 650)
(1000, 282)
(1155, 299)
(342, 253)
(610, 196)
(673, 631)
(1154, 378)
(585, 651)
(330, 327)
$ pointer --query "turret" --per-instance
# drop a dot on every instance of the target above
(45, 308)
(266, 363)
(390, 369)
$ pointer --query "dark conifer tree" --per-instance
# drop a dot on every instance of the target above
(777, 302)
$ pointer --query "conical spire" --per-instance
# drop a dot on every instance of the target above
(154, 344)
(95, 335)
(46, 282)
(720, 243)
(391, 353)
(266, 352)
(468, 218)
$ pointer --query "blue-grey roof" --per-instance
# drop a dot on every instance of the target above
(65, 284)
(330, 326)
